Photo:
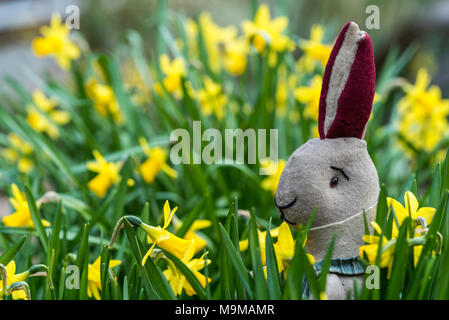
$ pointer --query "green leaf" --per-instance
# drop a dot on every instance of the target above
(445, 174)
(254, 250)
(37, 219)
(157, 284)
(237, 262)
(435, 190)
(382, 207)
(274, 286)
(56, 230)
(104, 269)
(193, 215)
(400, 262)
(9, 254)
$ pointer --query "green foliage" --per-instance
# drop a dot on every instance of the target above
(82, 223)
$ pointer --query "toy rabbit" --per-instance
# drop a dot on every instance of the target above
(335, 173)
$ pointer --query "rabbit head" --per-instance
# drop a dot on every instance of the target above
(334, 173)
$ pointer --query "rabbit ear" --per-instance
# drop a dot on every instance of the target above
(348, 85)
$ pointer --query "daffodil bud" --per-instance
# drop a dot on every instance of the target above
(135, 221)
(37, 270)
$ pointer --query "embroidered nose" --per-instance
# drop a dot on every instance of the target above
(288, 205)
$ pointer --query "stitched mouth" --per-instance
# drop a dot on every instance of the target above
(283, 218)
(288, 205)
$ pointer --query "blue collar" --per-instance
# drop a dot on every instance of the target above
(348, 266)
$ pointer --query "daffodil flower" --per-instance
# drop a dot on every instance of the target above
(173, 72)
(164, 239)
(94, 277)
(261, 235)
(55, 42)
(104, 100)
(264, 31)
(46, 123)
(285, 84)
(200, 243)
(19, 152)
(409, 210)
(234, 59)
(285, 248)
(310, 96)
(423, 114)
(108, 174)
(12, 277)
(274, 171)
(22, 216)
(155, 163)
(314, 50)
(372, 247)
(217, 40)
(178, 281)
(212, 98)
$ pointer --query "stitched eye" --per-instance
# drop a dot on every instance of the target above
(334, 182)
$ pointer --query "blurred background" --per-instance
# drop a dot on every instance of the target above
(103, 23)
(423, 25)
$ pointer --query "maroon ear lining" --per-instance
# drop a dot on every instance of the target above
(326, 79)
(356, 100)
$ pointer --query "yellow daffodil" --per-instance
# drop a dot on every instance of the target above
(134, 83)
(200, 243)
(212, 99)
(285, 248)
(12, 277)
(56, 43)
(108, 174)
(371, 248)
(104, 100)
(94, 277)
(22, 216)
(409, 210)
(310, 97)
(178, 281)
(265, 32)
(45, 117)
(243, 245)
(156, 162)
(215, 38)
(423, 114)
(314, 50)
(274, 169)
(173, 72)
(285, 84)
(192, 37)
(19, 152)
(234, 59)
(163, 238)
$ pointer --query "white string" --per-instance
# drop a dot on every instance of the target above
(342, 221)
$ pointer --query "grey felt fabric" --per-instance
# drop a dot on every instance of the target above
(307, 177)
(340, 287)
(340, 72)
(348, 241)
